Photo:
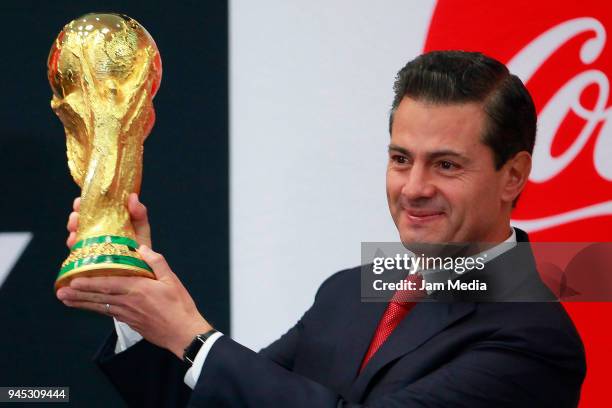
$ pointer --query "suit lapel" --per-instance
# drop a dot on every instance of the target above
(424, 321)
(361, 324)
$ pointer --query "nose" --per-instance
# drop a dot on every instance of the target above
(418, 184)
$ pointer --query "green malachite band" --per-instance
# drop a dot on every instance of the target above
(117, 259)
(112, 239)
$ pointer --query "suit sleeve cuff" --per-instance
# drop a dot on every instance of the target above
(192, 375)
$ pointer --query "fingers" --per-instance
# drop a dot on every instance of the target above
(138, 216)
(119, 312)
(107, 285)
(73, 295)
(94, 293)
(140, 220)
(73, 221)
(71, 240)
(138, 211)
(94, 296)
(71, 226)
(96, 302)
(156, 261)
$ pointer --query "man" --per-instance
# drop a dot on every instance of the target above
(462, 132)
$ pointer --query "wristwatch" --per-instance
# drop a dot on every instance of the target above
(192, 350)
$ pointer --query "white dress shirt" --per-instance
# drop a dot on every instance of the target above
(127, 337)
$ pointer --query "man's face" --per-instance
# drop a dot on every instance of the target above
(442, 185)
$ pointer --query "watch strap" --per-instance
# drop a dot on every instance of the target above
(191, 351)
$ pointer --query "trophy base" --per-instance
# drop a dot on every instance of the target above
(103, 256)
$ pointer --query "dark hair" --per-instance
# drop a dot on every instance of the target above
(449, 77)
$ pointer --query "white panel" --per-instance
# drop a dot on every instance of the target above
(12, 244)
(310, 89)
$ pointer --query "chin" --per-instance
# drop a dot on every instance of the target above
(422, 237)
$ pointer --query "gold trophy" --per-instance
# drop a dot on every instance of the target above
(104, 70)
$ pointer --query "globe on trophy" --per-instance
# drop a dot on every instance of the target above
(104, 70)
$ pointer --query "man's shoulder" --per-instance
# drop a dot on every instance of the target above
(525, 313)
(543, 325)
(345, 279)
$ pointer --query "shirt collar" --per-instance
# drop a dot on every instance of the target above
(430, 276)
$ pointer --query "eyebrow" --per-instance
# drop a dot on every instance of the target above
(430, 155)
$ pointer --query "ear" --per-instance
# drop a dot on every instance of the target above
(516, 173)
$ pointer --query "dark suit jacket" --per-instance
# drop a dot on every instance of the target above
(458, 354)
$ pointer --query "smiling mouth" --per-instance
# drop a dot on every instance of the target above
(423, 217)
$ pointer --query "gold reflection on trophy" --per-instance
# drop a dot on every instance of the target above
(104, 70)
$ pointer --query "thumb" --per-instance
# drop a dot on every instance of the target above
(157, 262)
(140, 220)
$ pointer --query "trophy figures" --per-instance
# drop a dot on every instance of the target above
(104, 70)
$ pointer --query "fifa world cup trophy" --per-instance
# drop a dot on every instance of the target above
(104, 70)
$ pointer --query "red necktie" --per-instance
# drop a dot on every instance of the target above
(396, 310)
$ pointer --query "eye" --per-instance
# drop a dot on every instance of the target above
(447, 165)
(399, 159)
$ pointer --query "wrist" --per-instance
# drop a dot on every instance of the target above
(184, 339)
(192, 351)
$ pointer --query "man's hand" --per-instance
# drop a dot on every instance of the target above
(161, 310)
(138, 217)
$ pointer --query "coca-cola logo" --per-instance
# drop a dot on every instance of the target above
(560, 52)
